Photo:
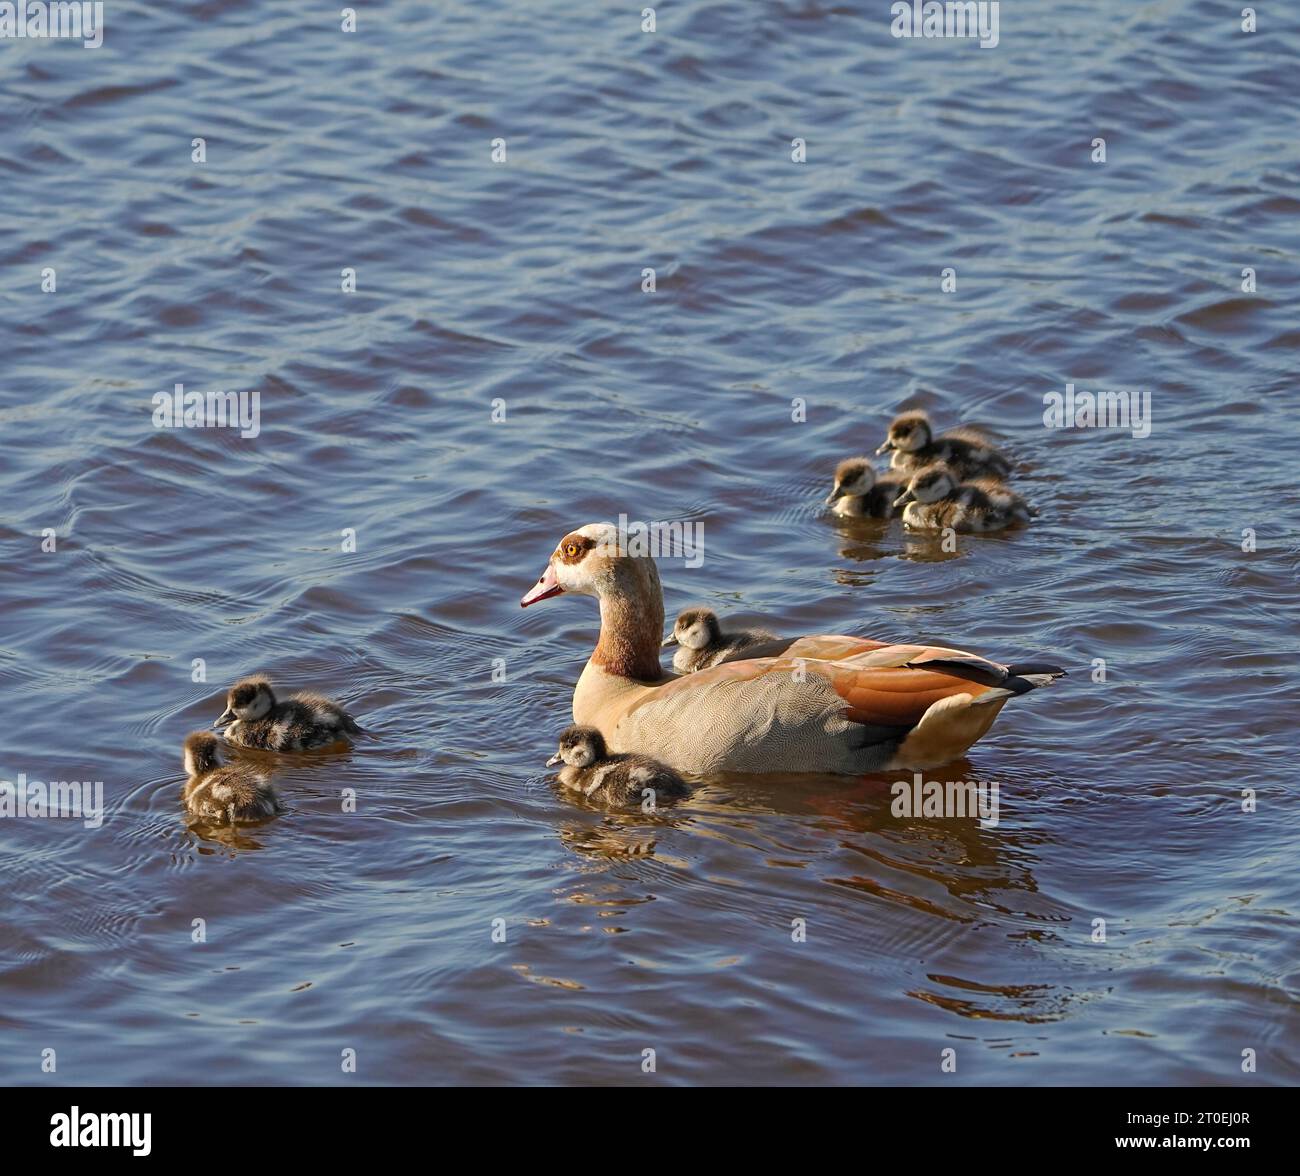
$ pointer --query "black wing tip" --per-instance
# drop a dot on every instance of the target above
(1022, 668)
(1013, 677)
(968, 669)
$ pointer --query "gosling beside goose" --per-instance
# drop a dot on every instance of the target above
(591, 769)
(702, 643)
(934, 499)
(913, 444)
(831, 704)
(859, 492)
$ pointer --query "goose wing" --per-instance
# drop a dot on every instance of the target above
(880, 685)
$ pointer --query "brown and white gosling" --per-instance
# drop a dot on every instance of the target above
(914, 446)
(702, 643)
(589, 768)
(226, 794)
(254, 718)
(860, 493)
(935, 498)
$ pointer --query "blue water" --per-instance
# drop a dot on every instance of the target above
(485, 288)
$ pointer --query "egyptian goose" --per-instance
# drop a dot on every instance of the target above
(223, 794)
(914, 445)
(821, 704)
(934, 499)
(859, 492)
(702, 643)
(254, 718)
(589, 768)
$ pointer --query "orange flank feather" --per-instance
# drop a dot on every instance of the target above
(897, 697)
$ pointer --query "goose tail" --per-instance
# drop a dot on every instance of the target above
(1019, 678)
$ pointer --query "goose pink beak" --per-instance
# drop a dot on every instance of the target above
(545, 588)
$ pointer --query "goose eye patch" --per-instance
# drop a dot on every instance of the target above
(574, 548)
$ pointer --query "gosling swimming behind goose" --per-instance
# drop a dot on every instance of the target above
(227, 794)
(935, 499)
(913, 444)
(702, 643)
(254, 718)
(589, 768)
(859, 492)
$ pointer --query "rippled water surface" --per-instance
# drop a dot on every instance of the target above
(521, 282)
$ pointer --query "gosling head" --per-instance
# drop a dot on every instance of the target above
(580, 747)
(854, 477)
(908, 432)
(248, 700)
(199, 753)
(932, 484)
(695, 628)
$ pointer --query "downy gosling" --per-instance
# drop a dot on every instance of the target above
(860, 493)
(225, 794)
(935, 498)
(702, 643)
(914, 446)
(254, 718)
(589, 768)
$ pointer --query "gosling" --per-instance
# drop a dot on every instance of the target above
(935, 498)
(702, 643)
(589, 768)
(914, 446)
(858, 493)
(224, 794)
(254, 718)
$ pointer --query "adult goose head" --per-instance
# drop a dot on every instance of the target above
(590, 562)
(814, 704)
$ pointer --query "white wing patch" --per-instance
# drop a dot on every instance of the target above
(598, 778)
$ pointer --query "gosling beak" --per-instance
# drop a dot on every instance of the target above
(671, 639)
(886, 447)
(904, 498)
(555, 759)
(227, 717)
(835, 495)
(546, 587)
